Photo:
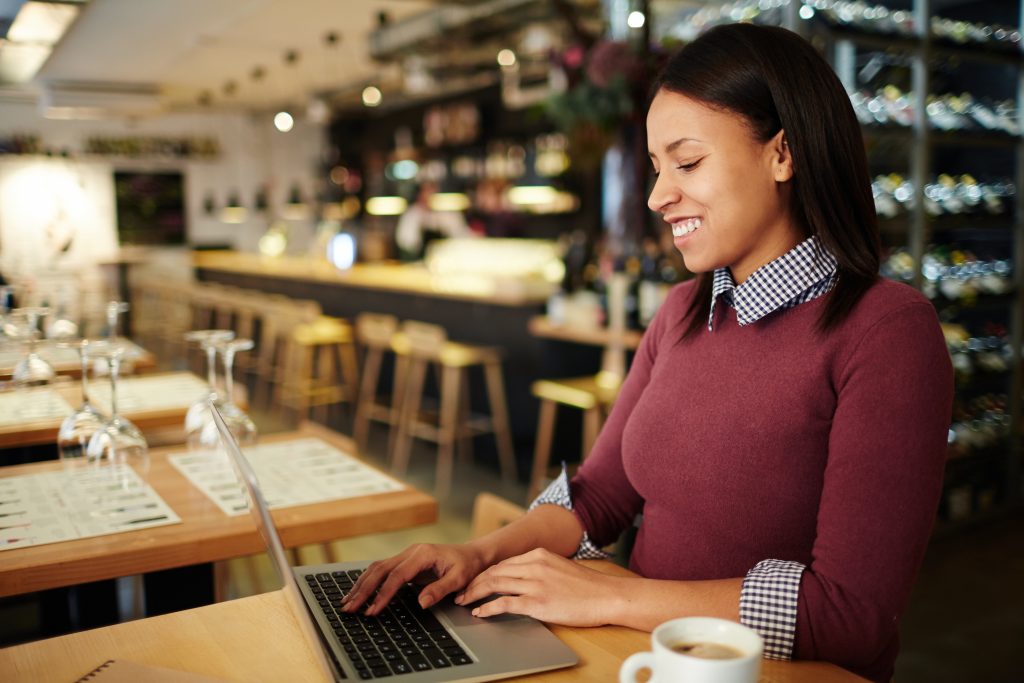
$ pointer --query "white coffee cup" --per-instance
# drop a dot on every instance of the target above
(670, 666)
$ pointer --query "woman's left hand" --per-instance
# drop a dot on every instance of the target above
(547, 587)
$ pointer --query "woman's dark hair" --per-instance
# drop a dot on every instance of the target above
(777, 81)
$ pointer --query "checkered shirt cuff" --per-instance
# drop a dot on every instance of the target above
(557, 493)
(768, 603)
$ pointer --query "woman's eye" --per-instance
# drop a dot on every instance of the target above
(689, 167)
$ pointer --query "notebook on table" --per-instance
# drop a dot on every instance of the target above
(405, 642)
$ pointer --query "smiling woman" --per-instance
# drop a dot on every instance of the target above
(782, 428)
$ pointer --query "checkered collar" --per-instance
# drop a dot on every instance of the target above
(802, 273)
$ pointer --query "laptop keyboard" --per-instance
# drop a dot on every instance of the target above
(402, 639)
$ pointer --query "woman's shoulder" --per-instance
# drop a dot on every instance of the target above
(887, 301)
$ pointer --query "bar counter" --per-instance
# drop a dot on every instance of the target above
(410, 279)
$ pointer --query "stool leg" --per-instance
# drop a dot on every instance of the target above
(408, 415)
(367, 396)
(451, 380)
(465, 433)
(542, 448)
(348, 370)
(397, 396)
(499, 420)
(591, 428)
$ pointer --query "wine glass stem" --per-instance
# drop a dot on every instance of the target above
(211, 367)
(115, 367)
(229, 375)
(85, 376)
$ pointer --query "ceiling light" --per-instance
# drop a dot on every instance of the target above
(806, 12)
(372, 96)
(636, 19)
(283, 121)
(233, 211)
(41, 22)
(386, 206)
(317, 111)
(448, 201)
(506, 58)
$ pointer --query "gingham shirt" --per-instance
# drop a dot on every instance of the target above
(770, 591)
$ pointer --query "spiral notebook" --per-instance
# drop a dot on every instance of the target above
(124, 671)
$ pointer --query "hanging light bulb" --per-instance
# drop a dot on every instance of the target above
(283, 121)
(372, 96)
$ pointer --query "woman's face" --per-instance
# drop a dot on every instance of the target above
(724, 194)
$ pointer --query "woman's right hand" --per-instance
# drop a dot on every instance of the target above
(444, 568)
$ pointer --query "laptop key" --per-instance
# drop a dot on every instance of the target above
(429, 621)
(459, 660)
(365, 674)
(419, 663)
(454, 651)
(400, 666)
(380, 671)
(410, 651)
(439, 661)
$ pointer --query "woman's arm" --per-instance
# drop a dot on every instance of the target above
(557, 590)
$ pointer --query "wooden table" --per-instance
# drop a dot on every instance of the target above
(258, 639)
(45, 431)
(205, 534)
(66, 361)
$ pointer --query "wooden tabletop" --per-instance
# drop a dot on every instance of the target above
(258, 639)
(45, 431)
(542, 326)
(66, 361)
(205, 533)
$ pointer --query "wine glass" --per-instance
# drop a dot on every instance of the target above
(238, 422)
(200, 430)
(77, 428)
(118, 442)
(31, 370)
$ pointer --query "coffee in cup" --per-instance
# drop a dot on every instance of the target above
(698, 650)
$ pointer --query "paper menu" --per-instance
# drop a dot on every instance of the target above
(290, 473)
(36, 509)
(23, 406)
(150, 393)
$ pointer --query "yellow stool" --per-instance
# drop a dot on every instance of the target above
(320, 368)
(594, 395)
(426, 344)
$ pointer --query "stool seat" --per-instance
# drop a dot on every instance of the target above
(593, 394)
(579, 392)
(321, 368)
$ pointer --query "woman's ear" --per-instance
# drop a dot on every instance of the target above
(781, 158)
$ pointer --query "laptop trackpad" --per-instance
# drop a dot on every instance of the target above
(461, 616)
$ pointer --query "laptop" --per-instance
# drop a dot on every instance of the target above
(405, 642)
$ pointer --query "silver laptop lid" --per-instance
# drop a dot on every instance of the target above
(260, 512)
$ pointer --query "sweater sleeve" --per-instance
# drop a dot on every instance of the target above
(880, 493)
(602, 497)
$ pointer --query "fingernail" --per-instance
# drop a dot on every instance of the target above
(425, 601)
(459, 598)
(476, 612)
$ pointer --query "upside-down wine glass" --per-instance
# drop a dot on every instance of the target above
(118, 442)
(199, 419)
(31, 370)
(240, 424)
(77, 428)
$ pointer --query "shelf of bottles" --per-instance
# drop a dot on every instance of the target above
(937, 87)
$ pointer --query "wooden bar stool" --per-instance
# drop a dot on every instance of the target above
(375, 333)
(320, 368)
(428, 344)
(593, 394)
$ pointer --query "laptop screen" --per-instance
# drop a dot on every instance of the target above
(260, 512)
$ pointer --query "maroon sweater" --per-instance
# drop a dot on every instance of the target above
(774, 441)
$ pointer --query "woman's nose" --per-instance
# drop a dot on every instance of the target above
(662, 195)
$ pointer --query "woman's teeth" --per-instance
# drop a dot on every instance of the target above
(686, 227)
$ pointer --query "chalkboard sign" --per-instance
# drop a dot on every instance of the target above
(150, 207)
